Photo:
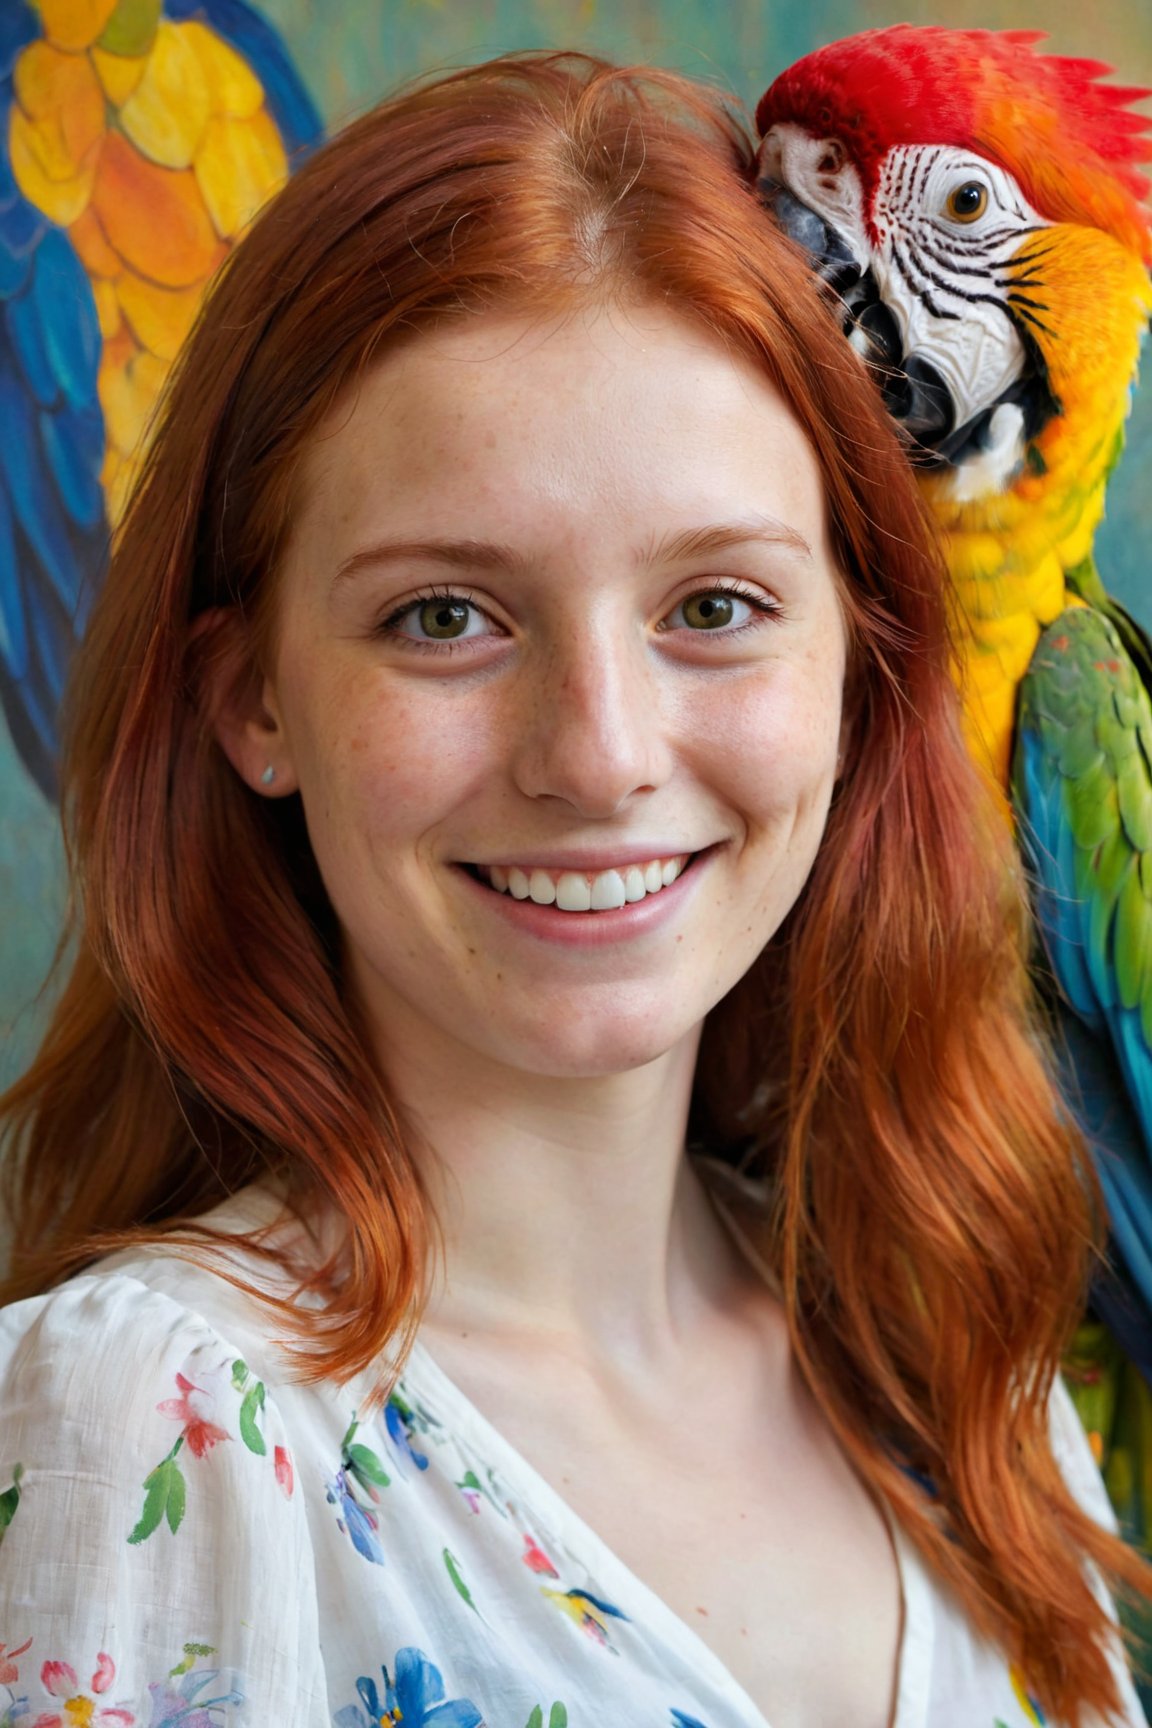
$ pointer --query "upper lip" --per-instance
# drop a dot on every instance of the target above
(589, 860)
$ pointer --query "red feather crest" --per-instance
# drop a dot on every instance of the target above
(1072, 143)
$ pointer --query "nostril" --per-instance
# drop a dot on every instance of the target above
(832, 157)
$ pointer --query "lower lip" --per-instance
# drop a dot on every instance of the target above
(595, 929)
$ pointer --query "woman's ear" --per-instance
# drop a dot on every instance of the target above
(239, 703)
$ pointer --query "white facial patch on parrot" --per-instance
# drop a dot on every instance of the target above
(939, 241)
(947, 226)
(819, 173)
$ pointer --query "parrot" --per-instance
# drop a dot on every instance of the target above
(974, 208)
(138, 138)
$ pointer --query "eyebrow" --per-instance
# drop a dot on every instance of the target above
(492, 555)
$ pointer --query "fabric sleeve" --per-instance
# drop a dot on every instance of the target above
(155, 1561)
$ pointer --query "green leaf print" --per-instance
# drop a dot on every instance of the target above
(249, 1432)
(557, 1717)
(239, 1374)
(367, 1464)
(365, 1467)
(452, 1567)
(164, 1496)
(192, 1653)
(177, 1497)
(9, 1500)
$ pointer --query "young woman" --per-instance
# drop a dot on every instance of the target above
(572, 1221)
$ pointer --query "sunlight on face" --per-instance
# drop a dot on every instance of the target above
(559, 607)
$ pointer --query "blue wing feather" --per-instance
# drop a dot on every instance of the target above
(30, 488)
(1071, 691)
(19, 25)
(13, 630)
(1047, 844)
(25, 332)
(73, 441)
(53, 534)
(66, 310)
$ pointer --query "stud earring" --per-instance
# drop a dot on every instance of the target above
(268, 775)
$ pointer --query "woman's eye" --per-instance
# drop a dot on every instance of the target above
(717, 609)
(439, 618)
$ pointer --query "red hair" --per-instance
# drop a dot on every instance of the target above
(934, 1222)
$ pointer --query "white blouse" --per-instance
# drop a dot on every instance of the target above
(188, 1537)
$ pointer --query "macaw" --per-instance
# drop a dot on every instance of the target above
(976, 207)
(137, 140)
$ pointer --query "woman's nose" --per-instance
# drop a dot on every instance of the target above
(591, 728)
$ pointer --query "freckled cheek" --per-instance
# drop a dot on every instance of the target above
(773, 753)
(398, 766)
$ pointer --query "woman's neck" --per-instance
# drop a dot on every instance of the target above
(567, 1206)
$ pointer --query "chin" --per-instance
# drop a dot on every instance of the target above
(586, 1046)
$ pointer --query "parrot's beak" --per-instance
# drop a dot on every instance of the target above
(914, 393)
(826, 248)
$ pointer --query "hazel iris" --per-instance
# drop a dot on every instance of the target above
(708, 611)
(443, 619)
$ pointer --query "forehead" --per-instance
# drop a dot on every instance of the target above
(606, 408)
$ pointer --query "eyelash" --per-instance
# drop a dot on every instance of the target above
(765, 610)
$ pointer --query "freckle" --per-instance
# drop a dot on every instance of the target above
(472, 951)
(743, 1631)
(703, 1611)
(679, 938)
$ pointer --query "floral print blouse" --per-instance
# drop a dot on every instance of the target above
(188, 1537)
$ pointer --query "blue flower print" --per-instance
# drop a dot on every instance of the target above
(194, 1699)
(355, 1520)
(680, 1720)
(398, 1420)
(415, 1698)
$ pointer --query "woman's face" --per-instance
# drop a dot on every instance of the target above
(558, 615)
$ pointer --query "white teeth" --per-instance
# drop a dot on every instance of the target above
(607, 891)
(542, 888)
(578, 891)
(573, 893)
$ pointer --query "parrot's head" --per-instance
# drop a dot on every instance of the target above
(935, 176)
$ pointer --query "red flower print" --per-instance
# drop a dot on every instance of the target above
(536, 1560)
(192, 1409)
(59, 1681)
(282, 1461)
(8, 1671)
(58, 1678)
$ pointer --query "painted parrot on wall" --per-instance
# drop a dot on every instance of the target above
(977, 208)
(137, 140)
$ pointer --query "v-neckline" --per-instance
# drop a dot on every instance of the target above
(423, 1374)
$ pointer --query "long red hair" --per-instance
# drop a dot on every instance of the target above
(934, 1218)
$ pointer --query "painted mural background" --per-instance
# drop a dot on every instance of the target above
(210, 128)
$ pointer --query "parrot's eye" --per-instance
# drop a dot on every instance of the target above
(967, 202)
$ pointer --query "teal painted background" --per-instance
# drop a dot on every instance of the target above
(352, 53)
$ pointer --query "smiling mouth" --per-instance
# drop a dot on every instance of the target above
(585, 890)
